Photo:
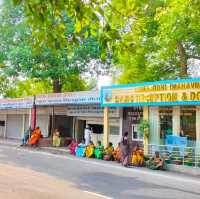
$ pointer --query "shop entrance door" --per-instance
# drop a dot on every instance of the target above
(64, 124)
(188, 123)
(2, 128)
(79, 130)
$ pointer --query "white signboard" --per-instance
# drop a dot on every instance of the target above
(16, 103)
(82, 97)
(90, 110)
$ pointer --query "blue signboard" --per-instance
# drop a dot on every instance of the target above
(167, 92)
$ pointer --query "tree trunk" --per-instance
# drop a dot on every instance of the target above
(57, 86)
(183, 60)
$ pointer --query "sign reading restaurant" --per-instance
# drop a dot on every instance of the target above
(168, 92)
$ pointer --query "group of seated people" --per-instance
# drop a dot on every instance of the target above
(109, 153)
(32, 137)
(92, 151)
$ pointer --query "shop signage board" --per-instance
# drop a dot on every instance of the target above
(16, 103)
(167, 92)
(90, 110)
(83, 97)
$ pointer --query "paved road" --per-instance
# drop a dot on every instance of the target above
(105, 179)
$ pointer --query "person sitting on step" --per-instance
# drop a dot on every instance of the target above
(56, 138)
(98, 152)
(137, 156)
(107, 153)
(72, 147)
(156, 162)
(80, 149)
(89, 151)
(117, 153)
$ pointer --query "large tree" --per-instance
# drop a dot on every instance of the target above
(151, 39)
(60, 67)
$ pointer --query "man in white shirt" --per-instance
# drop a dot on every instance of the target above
(87, 135)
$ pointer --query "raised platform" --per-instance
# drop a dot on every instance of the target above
(47, 142)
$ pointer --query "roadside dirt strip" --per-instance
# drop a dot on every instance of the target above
(24, 183)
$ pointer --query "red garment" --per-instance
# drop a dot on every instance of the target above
(72, 148)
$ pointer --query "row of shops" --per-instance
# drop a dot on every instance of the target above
(67, 112)
(171, 107)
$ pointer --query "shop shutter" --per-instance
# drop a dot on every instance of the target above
(14, 126)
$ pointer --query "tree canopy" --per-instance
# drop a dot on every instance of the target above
(149, 39)
(26, 70)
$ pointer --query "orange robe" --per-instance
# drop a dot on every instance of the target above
(36, 135)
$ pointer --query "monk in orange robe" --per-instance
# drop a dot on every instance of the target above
(36, 135)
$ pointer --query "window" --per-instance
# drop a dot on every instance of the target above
(114, 130)
(165, 114)
(2, 123)
(188, 121)
(136, 134)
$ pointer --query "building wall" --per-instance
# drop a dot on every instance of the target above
(43, 122)
(115, 139)
(154, 137)
(131, 116)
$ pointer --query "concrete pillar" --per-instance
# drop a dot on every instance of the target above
(146, 113)
(176, 120)
(198, 125)
(154, 121)
(29, 119)
(74, 130)
(146, 139)
(23, 125)
(121, 123)
(106, 127)
(5, 128)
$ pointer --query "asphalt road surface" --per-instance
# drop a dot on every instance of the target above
(27, 174)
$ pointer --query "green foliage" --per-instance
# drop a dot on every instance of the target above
(144, 127)
(27, 88)
(61, 66)
(148, 40)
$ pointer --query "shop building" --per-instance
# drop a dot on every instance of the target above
(67, 112)
(172, 107)
(15, 115)
(70, 112)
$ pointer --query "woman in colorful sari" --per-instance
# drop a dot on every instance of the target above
(107, 153)
(72, 147)
(117, 153)
(124, 146)
(89, 151)
(36, 135)
(98, 152)
(56, 138)
(137, 157)
(156, 162)
(80, 149)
